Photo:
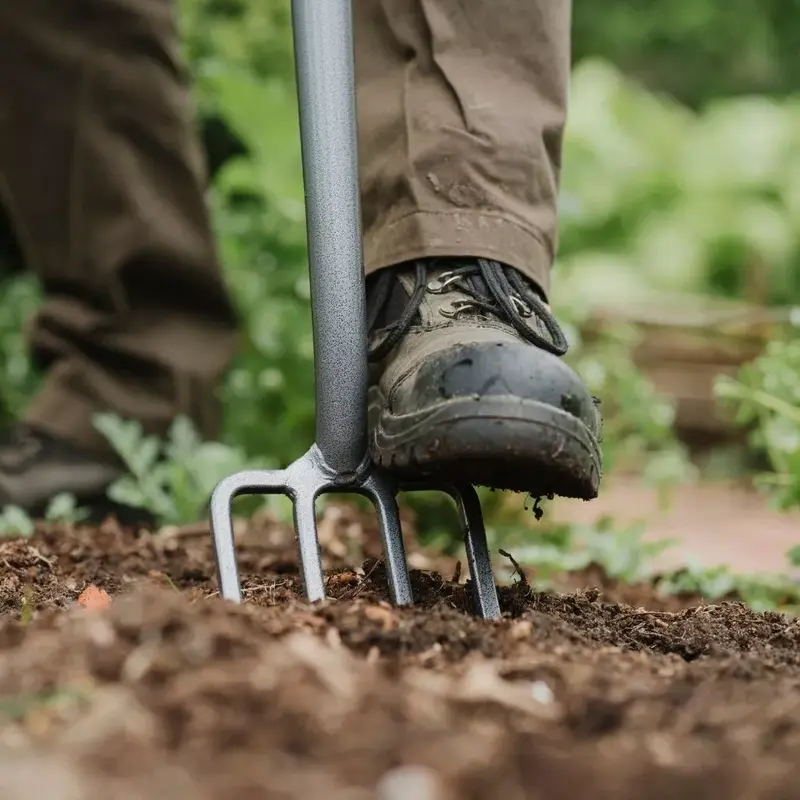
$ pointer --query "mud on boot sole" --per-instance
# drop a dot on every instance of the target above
(496, 441)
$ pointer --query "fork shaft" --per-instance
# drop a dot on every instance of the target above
(323, 39)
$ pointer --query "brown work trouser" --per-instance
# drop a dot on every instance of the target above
(461, 106)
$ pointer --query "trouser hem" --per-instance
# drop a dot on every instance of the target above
(432, 234)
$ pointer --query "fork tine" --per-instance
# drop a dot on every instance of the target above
(222, 534)
(221, 518)
(383, 495)
(484, 590)
(305, 524)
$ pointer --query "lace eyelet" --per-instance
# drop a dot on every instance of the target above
(522, 307)
(457, 308)
(439, 285)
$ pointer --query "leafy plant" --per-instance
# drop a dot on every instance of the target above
(173, 479)
(19, 298)
(622, 552)
(16, 523)
(766, 399)
(626, 556)
(638, 430)
(659, 199)
(762, 592)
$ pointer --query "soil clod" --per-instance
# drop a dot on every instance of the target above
(122, 674)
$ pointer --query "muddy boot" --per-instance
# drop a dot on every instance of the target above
(467, 383)
(36, 466)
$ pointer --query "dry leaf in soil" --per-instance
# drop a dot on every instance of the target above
(94, 598)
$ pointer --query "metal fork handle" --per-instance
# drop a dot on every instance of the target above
(323, 36)
(323, 41)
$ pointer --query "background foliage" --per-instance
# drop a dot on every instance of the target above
(682, 175)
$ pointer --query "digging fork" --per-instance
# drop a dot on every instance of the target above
(339, 460)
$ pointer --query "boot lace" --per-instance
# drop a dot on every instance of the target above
(492, 289)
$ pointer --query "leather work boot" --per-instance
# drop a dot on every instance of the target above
(466, 383)
(35, 467)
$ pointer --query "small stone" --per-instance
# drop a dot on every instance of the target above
(404, 783)
(542, 693)
(521, 631)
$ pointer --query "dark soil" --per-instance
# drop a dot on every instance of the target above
(172, 693)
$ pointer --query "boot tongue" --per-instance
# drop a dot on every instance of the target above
(433, 293)
(395, 303)
(403, 297)
(441, 299)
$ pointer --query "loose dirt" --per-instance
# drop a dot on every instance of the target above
(169, 692)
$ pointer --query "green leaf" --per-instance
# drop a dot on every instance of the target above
(794, 555)
(64, 508)
(14, 521)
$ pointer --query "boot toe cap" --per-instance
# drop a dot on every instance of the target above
(486, 369)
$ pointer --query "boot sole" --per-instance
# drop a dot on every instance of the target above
(500, 442)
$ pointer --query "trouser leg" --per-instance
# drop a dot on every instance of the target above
(461, 113)
(102, 175)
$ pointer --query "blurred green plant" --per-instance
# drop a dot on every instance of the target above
(762, 592)
(766, 399)
(15, 523)
(621, 552)
(171, 479)
(695, 50)
(240, 55)
(656, 199)
(638, 422)
(626, 556)
(19, 298)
